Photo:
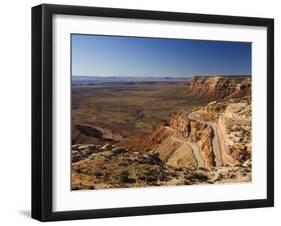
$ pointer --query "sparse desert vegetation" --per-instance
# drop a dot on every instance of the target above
(125, 113)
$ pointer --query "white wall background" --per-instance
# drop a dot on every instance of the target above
(15, 119)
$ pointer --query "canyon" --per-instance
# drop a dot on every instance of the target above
(220, 133)
(202, 137)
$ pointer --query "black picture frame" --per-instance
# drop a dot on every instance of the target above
(42, 111)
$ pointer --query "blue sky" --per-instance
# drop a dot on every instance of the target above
(94, 55)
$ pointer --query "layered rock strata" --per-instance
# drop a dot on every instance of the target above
(219, 133)
(219, 87)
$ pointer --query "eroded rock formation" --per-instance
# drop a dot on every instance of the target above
(108, 166)
(219, 87)
(219, 133)
(184, 138)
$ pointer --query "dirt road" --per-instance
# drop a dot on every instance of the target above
(215, 141)
(186, 145)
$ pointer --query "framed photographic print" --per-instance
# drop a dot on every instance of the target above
(145, 112)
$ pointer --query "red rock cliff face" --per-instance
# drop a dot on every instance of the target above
(195, 132)
(219, 132)
(219, 87)
(183, 130)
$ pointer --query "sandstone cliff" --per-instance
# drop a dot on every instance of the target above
(232, 119)
(219, 87)
(187, 141)
(217, 134)
(213, 135)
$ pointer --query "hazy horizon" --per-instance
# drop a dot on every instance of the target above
(118, 56)
(132, 76)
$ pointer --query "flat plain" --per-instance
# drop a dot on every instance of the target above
(129, 110)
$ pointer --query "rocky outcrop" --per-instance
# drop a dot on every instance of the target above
(236, 122)
(89, 134)
(232, 120)
(185, 140)
(221, 131)
(219, 87)
(108, 166)
(205, 144)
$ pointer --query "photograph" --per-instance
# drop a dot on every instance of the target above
(151, 111)
(142, 112)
